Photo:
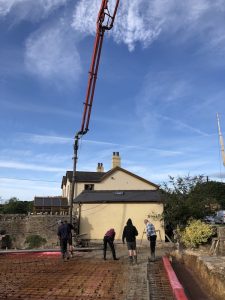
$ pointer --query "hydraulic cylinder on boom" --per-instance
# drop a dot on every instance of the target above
(104, 22)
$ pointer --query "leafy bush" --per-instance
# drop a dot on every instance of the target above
(6, 242)
(196, 233)
(35, 241)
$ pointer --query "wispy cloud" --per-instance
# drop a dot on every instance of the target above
(24, 191)
(25, 166)
(160, 96)
(131, 26)
(144, 21)
(181, 125)
(36, 108)
(52, 54)
(29, 10)
(47, 139)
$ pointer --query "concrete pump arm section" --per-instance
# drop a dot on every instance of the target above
(104, 22)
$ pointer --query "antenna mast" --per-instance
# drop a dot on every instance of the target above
(221, 140)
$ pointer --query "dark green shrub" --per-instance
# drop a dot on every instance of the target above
(6, 242)
(35, 241)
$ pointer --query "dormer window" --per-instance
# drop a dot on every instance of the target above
(89, 187)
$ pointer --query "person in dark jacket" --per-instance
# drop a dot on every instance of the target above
(109, 239)
(129, 233)
(70, 227)
(63, 236)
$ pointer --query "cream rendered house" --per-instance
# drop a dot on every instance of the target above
(106, 200)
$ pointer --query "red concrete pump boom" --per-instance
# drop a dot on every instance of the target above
(102, 25)
(104, 22)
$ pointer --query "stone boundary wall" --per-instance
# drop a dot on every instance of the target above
(221, 236)
(210, 270)
(18, 227)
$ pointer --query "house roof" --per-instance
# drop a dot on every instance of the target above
(83, 176)
(119, 196)
(50, 201)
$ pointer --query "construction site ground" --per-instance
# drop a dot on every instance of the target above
(85, 276)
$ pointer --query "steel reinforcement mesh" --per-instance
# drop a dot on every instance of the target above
(159, 286)
(39, 276)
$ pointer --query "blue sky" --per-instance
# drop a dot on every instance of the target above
(161, 82)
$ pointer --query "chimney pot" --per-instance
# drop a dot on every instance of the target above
(100, 167)
(116, 160)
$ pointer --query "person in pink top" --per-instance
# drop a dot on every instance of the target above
(109, 239)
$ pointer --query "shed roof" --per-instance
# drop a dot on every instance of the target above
(119, 196)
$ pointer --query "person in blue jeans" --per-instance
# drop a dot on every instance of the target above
(151, 236)
(109, 239)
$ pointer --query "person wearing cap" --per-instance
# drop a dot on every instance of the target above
(151, 236)
(70, 227)
(63, 236)
(109, 239)
(129, 233)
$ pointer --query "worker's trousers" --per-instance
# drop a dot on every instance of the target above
(153, 243)
(108, 240)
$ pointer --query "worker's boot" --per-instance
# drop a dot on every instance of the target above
(130, 260)
(135, 259)
(153, 256)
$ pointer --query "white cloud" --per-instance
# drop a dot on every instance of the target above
(32, 10)
(25, 166)
(143, 21)
(48, 139)
(131, 25)
(52, 54)
(26, 191)
(31, 107)
(181, 125)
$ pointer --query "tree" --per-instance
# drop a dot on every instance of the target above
(190, 197)
(214, 191)
(15, 206)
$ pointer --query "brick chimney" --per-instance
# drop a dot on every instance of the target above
(116, 160)
(100, 167)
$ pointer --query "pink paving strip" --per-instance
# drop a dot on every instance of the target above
(174, 282)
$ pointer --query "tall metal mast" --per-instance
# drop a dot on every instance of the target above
(104, 22)
(221, 140)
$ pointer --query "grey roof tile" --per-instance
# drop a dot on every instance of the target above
(122, 196)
